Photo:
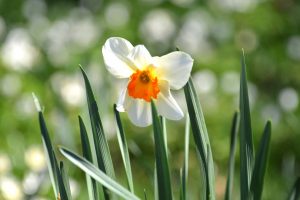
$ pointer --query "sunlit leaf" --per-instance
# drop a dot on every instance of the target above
(98, 175)
(124, 150)
(94, 189)
(201, 138)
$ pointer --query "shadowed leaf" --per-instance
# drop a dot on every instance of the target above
(260, 165)
(246, 144)
(233, 139)
(162, 165)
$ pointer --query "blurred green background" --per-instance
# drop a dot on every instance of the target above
(42, 43)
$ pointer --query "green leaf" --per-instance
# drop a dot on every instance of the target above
(124, 150)
(184, 171)
(162, 165)
(65, 181)
(246, 144)
(98, 175)
(200, 137)
(145, 195)
(49, 155)
(233, 139)
(164, 130)
(295, 192)
(260, 166)
(94, 190)
(61, 187)
(104, 159)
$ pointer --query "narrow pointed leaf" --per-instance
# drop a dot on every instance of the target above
(260, 166)
(184, 172)
(145, 195)
(95, 190)
(233, 139)
(61, 187)
(246, 144)
(49, 155)
(200, 136)
(104, 159)
(65, 181)
(164, 130)
(162, 165)
(295, 192)
(124, 150)
(98, 175)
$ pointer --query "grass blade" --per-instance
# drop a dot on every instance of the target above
(162, 165)
(98, 175)
(260, 166)
(295, 192)
(124, 150)
(49, 155)
(233, 139)
(246, 144)
(104, 159)
(184, 172)
(200, 137)
(95, 191)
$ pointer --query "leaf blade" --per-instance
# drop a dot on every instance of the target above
(124, 149)
(233, 140)
(246, 144)
(184, 172)
(260, 165)
(98, 175)
(48, 151)
(162, 165)
(295, 192)
(200, 136)
(95, 191)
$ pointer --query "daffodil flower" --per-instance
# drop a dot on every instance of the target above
(149, 78)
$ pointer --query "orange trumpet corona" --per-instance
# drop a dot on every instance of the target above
(143, 84)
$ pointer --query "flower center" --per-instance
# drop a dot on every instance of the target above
(143, 84)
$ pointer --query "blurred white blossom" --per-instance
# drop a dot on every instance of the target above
(31, 183)
(70, 88)
(230, 82)
(271, 112)
(288, 99)
(116, 15)
(5, 164)
(18, 52)
(158, 26)
(10, 84)
(246, 39)
(10, 188)
(205, 81)
(34, 9)
(293, 47)
(237, 5)
(193, 36)
(35, 158)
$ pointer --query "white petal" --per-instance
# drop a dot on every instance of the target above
(166, 104)
(121, 101)
(115, 54)
(139, 111)
(175, 68)
(140, 56)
